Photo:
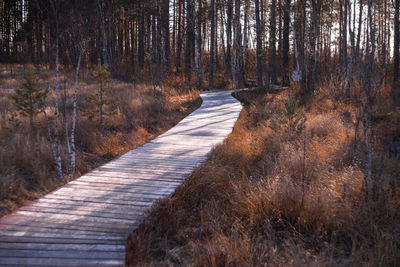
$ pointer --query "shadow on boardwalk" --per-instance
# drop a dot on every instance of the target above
(87, 221)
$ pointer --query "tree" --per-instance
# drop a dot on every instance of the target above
(72, 149)
(272, 43)
(103, 31)
(289, 119)
(165, 29)
(199, 43)
(238, 46)
(212, 49)
(189, 39)
(396, 52)
(285, 43)
(102, 103)
(259, 49)
(27, 100)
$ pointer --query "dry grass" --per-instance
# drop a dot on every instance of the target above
(26, 168)
(264, 200)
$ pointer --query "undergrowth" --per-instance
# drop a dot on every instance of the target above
(262, 199)
(26, 165)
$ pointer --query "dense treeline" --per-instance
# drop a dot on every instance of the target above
(246, 39)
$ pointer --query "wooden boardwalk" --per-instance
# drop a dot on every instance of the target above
(86, 222)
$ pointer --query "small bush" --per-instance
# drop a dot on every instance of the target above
(27, 100)
(288, 120)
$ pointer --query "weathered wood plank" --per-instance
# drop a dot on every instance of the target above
(58, 233)
(28, 242)
(111, 200)
(16, 261)
(77, 218)
(122, 189)
(86, 213)
(65, 226)
(64, 222)
(21, 253)
(129, 181)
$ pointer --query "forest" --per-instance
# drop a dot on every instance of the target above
(310, 174)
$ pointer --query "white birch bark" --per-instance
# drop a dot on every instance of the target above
(74, 114)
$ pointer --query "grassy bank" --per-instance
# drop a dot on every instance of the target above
(266, 198)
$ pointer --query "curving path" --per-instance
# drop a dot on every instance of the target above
(86, 222)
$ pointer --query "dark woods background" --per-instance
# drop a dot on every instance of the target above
(249, 40)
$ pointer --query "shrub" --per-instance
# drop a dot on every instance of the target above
(288, 120)
(103, 106)
(27, 100)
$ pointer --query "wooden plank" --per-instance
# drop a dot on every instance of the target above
(102, 191)
(58, 233)
(157, 158)
(23, 253)
(110, 200)
(108, 210)
(76, 218)
(67, 226)
(126, 199)
(86, 213)
(165, 173)
(72, 204)
(25, 220)
(128, 181)
(10, 261)
(64, 222)
(142, 196)
(123, 189)
(28, 242)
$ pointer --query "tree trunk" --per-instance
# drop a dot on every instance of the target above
(165, 29)
(285, 44)
(179, 45)
(212, 43)
(189, 40)
(272, 43)
(229, 17)
(239, 45)
(103, 31)
(57, 159)
(74, 113)
(141, 40)
(259, 50)
(396, 52)
(199, 45)
(313, 47)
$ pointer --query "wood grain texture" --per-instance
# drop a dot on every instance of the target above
(87, 221)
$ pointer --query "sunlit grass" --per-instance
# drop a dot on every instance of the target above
(262, 199)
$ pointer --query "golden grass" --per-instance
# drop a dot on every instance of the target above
(26, 166)
(263, 200)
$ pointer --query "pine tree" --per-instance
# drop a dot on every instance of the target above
(27, 100)
(103, 105)
(288, 120)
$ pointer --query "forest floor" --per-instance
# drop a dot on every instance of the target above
(266, 198)
(26, 165)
